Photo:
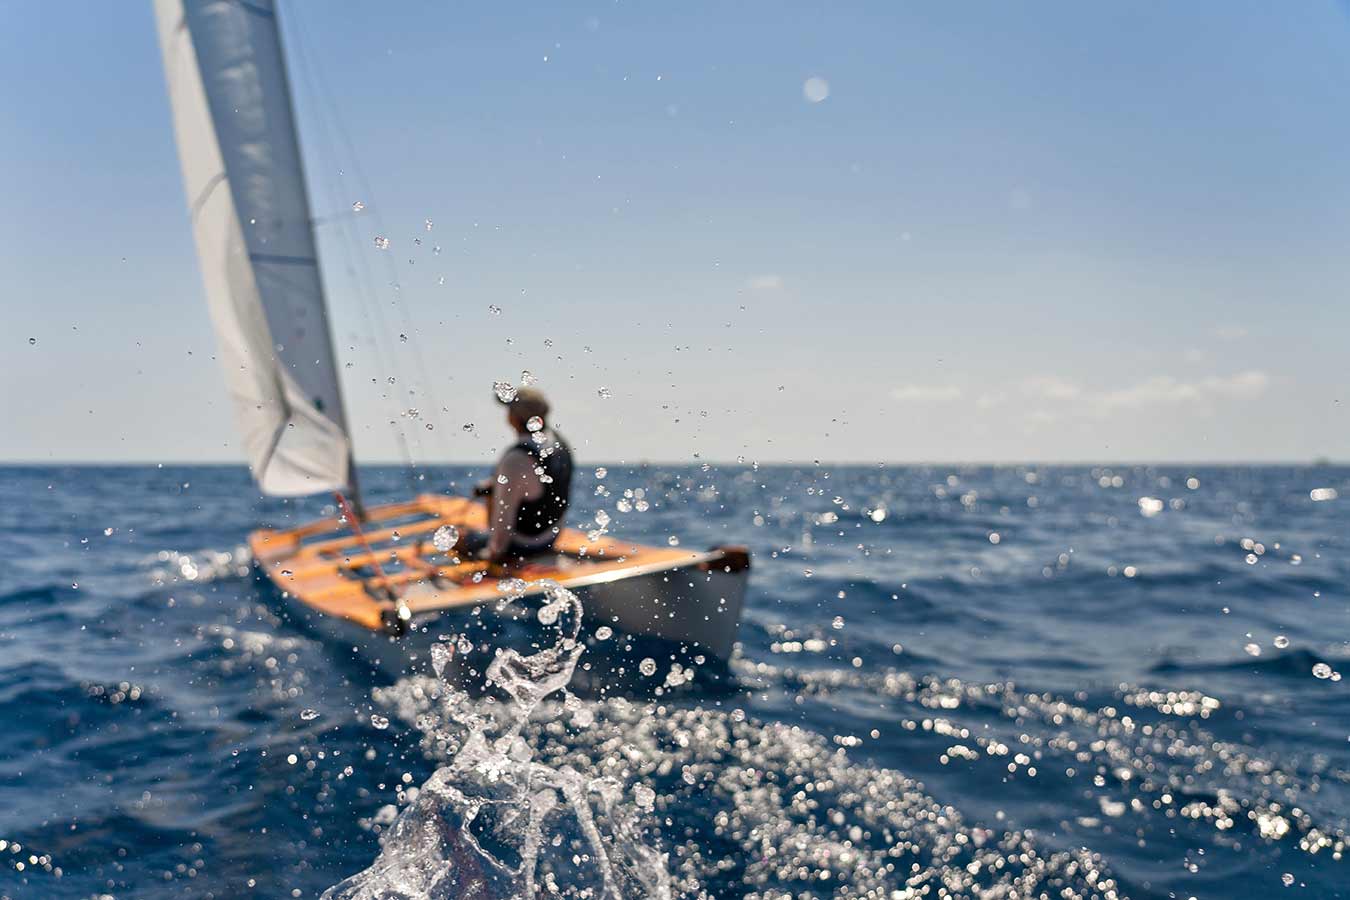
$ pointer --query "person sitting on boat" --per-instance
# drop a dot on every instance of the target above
(528, 491)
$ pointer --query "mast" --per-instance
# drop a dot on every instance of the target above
(244, 177)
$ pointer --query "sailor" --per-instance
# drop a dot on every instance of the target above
(528, 491)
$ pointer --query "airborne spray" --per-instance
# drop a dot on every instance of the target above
(494, 823)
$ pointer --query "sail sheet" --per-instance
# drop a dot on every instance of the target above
(255, 240)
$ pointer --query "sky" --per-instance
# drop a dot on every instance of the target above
(1107, 232)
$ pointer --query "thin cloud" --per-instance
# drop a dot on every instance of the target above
(925, 393)
(1050, 387)
(1045, 399)
(764, 283)
(1165, 390)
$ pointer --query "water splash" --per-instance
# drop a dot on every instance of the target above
(495, 822)
(773, 810)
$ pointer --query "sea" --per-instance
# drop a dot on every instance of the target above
(994, 682)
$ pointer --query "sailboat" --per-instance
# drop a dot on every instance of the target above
(380, 579)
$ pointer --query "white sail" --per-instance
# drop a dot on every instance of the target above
(250, 214)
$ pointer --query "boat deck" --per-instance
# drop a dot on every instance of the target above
(333, 571)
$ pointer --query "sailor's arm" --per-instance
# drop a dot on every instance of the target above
(507, 496)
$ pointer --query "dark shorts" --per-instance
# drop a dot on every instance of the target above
(472, 543)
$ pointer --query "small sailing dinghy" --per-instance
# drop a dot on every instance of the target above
(379, 579)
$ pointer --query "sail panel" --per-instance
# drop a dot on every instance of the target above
(250, 216)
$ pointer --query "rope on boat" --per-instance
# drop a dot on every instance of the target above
(404, 613)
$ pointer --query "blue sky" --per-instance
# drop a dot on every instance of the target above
(1052, 231)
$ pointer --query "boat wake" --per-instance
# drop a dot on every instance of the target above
(770, 809)
(542, 794)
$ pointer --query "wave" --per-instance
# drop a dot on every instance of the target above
(1298, 662)
(1150, 742)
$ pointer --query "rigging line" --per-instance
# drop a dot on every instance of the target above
(404, 614)
(355, 261)
(361, 280)
(364, 184)
(328, 119)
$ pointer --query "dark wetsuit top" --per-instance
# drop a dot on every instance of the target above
(534, 517)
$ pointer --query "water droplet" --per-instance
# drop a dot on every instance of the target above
(604, 633)
(602, 518)
(528, 378)
(1281, 641)
(645, 797)
(429, 224)
(501, 479)
(647, 667)
(1252, 649)
(403, 338)
(878, 514)
(1322, 670)
(32, 341)
(505, 390)
(535, 424)
(494, 309)
(468, 426)
(815, 89)
(382, 243)
(309, 715)
(444, 538)
(379, 721)
(838, 623)
(601, 472)
(441, 654)
(605, 393)
(358, 206)
(549, 612)
(994, 537)
(1288, 879)
(673, 541)
(107, 532)
(513, 587)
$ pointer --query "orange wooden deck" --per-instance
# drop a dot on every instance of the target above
(327, 567)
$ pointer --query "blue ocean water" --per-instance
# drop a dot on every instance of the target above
(1018, 681)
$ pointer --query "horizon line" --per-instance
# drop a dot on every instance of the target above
(1313, 461)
